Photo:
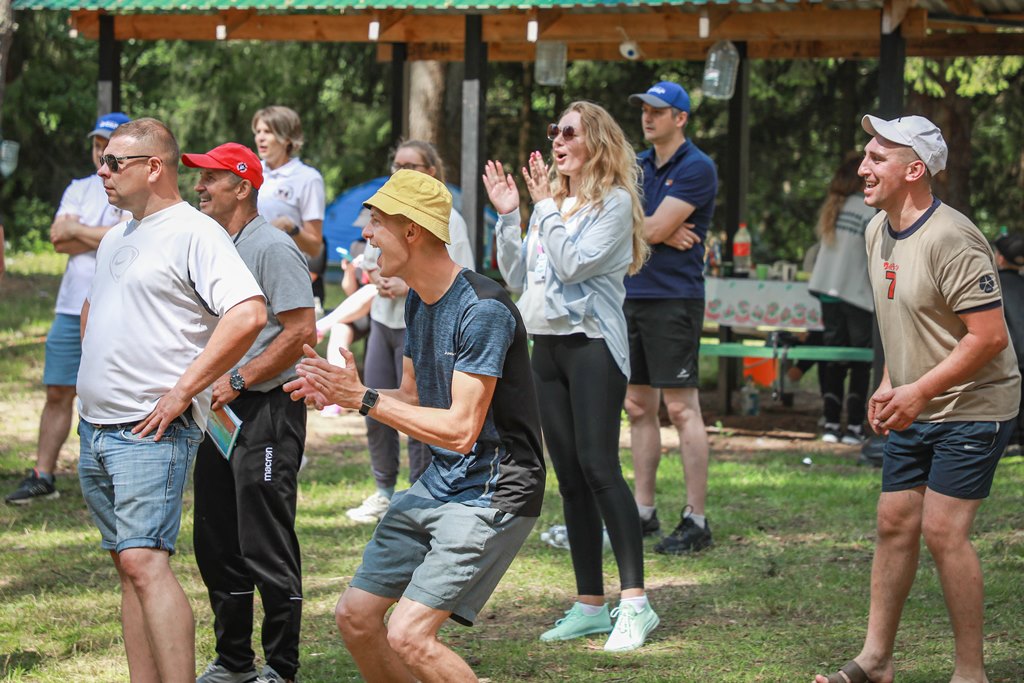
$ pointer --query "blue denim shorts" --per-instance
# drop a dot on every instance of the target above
(133, 486)
(63, 351)
(956, 459)
(447, 556)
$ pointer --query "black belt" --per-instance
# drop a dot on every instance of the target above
(117, 427)
(131, 425)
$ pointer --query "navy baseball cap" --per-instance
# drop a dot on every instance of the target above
(106, 124)
(664, 94)
(1012, 248)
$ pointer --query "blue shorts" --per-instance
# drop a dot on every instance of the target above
(63, 351)
(956, 459)
(447, 556)
(133, 486)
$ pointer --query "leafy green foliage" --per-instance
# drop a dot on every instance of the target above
(804, 115)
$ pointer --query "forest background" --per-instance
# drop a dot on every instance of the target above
(804, 116)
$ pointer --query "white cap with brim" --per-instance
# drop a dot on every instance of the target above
(915, 132)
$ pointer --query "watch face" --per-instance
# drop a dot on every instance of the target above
(237, 382)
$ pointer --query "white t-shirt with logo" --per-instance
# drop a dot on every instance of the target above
(294, 190)
(86, 199)
(160, 287)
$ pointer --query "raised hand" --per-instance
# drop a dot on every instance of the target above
(536, 175)
(501, 189)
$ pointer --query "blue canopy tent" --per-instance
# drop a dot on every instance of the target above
(340, 228)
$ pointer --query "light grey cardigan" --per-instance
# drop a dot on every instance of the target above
(585, 271)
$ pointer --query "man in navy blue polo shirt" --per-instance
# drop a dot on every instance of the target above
(665, 311)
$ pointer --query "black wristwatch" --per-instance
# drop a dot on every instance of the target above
(369, 401)
(237, 381)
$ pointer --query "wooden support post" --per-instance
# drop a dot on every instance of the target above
(474, 105)
(891, 64)
(737, 177)
(108, 88)
(398, 93)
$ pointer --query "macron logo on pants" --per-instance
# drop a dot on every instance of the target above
(268, 464)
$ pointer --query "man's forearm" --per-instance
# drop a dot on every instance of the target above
(970, 355)
(232, 337)
(72, 247)
(434, 426)
(281, 354)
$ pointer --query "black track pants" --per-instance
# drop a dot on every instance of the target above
(245, 531)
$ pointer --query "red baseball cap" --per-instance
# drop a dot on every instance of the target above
(230, 156)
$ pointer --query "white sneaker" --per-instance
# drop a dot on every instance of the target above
(631, 628)
(370, 510)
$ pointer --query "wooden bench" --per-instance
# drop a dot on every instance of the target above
(784, 353)
(759, 349)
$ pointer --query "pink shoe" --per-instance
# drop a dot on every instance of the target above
(333, 410)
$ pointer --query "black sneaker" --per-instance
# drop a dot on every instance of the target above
(652, 526)
(33, 487)
(832, 433)
(686, 538)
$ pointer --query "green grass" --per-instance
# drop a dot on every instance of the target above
(783, 594)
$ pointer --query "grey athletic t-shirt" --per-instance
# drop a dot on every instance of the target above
(280, 269)
(475, 328)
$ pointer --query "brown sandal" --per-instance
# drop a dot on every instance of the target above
(849, 673)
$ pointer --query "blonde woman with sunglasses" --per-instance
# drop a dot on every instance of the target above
(584, 236)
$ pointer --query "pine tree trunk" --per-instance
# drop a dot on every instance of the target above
(426, 100)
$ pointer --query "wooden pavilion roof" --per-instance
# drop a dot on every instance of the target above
(591, 29)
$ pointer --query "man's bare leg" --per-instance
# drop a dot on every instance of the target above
(360, 619)
(947, 526)
(892, 575)
(141, 664)
(642, 403)
(412, 633)
(54, 425)
(164, 611)
(684, 411)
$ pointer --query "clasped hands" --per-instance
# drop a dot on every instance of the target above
(321, 384)
(894, 409)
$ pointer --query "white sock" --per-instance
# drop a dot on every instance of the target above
(589, 610)
(698, 520)
(386, 492)
(646, 511)
(639, 604)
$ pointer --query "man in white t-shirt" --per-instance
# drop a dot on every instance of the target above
(172, 307)
(83, 218)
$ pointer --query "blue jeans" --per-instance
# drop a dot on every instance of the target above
(133, 486)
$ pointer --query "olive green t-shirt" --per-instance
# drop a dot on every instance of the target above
(922, 279)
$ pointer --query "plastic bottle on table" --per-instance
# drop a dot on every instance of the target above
(741, 261)
(751, 398)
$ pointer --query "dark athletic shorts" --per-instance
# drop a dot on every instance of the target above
(956, 459)
(664, 341)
